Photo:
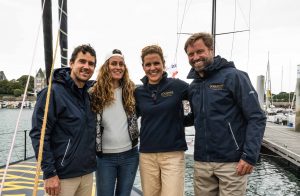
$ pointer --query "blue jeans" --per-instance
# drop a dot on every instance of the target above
(116, 173)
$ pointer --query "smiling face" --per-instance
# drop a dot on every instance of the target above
(82, 68)
(199, 55)
(116, 66)
(153, 67)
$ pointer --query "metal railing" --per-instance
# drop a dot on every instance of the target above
(21, 147)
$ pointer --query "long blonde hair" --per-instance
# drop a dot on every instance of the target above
(102, 92)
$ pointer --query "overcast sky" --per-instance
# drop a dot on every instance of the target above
(132, 24)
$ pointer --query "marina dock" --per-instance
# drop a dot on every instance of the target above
(283, 141)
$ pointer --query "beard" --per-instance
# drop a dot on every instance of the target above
(205, 61)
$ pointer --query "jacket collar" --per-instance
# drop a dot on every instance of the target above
(145, 80)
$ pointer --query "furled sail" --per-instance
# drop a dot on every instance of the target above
(48, 37)
(47, 29)
(63, 14)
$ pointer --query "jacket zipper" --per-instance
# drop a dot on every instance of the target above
(204, 120)
(62, 161)
(237, 146)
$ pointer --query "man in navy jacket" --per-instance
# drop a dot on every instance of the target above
(228, 120)
(69, 157)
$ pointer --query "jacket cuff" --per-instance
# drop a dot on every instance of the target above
(248, 159)
(49, 174)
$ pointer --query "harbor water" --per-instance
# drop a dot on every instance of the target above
(268, 179)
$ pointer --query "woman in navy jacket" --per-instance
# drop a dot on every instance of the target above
(162, 137)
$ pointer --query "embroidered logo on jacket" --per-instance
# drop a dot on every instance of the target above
(216, 86)
(167, 94)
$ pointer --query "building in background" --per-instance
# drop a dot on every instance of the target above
(2, 76)
(39, 81)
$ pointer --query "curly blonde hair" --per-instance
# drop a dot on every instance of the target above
(102, 92)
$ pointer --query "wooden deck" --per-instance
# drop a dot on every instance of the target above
(283, 141)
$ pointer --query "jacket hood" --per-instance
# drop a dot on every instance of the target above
(218, 63)
(145, 78)
(62, 75)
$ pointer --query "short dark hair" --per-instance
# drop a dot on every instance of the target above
(206, 37)
(84, 49)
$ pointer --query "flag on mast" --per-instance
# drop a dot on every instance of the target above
(172, 70)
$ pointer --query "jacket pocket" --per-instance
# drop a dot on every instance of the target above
(66, 151)
(233, 137)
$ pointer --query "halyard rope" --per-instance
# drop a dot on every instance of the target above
(41, 146)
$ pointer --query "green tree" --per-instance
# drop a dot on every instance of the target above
(12, 85)
(17, 92)
(8, 87)
(283, 97)
(4, 87)
(23, 80)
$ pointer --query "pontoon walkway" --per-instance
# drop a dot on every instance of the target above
(284, 141)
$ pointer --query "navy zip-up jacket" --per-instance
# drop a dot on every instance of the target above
(69, 148)
(228, 119)
(161, 110)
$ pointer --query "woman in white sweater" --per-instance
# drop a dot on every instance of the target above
(117, 131)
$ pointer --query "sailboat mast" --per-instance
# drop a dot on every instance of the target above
(213, 24)
(268, 86)
(297, 97)
(48, 38)
(63, 37)
(281, 79)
